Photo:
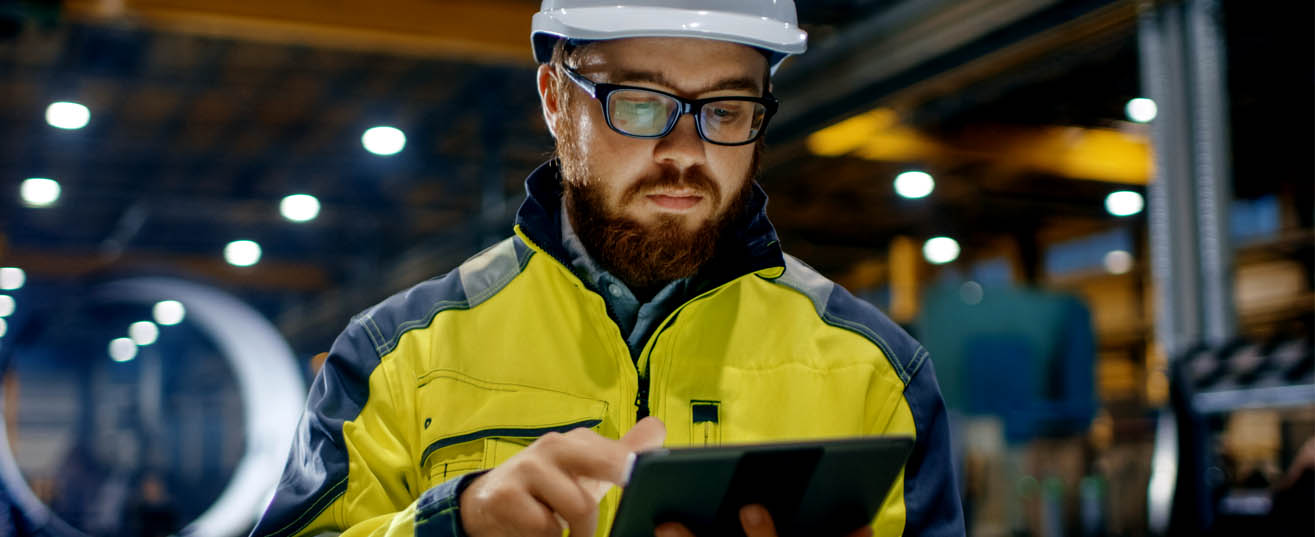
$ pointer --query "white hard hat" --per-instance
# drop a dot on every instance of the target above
(770, 25)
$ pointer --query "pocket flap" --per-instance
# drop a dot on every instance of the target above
(456, 409)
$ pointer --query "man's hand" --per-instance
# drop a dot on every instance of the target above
(554, 483)
(757, 523)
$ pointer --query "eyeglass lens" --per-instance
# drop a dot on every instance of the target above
(644, 113)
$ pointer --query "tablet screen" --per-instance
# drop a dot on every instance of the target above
(816, 488)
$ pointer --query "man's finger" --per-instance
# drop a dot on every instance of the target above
(672, 529)
(573, 505)
(647, 434)
(585, 454)
(757, 521)
(521, 513)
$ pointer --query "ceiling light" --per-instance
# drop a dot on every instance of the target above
(914, 184)
(300, 207)
(242, 253)
(12, 278)
(940, 250)
(1141, 110)
(971, 293)
(168, 312)
(1124, 203)
(66, 115)
(123, 349)
(1118, 262)
(4, 327)
(39, 192)
(7, 305)
(143, 333)
(383, 141)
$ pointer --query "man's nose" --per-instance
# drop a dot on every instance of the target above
(681, 147)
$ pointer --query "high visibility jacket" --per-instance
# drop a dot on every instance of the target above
(460, 372)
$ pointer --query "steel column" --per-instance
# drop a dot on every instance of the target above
(1212, 152)
(1172, 224)
(1182, 64)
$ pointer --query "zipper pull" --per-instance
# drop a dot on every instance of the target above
(641, 399)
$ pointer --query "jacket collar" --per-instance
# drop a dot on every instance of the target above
(754, 247)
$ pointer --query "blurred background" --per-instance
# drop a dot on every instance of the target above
(1096, 214)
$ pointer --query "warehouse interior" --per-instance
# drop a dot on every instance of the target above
(1095, 214)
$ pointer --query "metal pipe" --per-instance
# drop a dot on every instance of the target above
(1212, 155)
(1172, 224)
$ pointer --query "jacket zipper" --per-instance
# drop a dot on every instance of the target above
(645, 367)
(641, 398)
(642, 408)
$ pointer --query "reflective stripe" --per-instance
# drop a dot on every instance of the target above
(803, 278)
(488, 272)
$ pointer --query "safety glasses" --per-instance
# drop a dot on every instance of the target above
(648, 113)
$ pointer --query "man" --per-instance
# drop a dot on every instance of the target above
(644, 279)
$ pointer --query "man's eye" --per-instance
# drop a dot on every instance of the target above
(725, 113)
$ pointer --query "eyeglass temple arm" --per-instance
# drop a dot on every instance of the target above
(585, 84)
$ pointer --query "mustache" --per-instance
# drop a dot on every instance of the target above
(669, 177)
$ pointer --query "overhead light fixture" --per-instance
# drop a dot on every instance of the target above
(383, 141)
(1141, 110)
(123, 349)
(39, 192)
(4, 327)
(300, 207)
(971, 293)
(67, 115)
(1124, 203)
(1118, 262)
(242, 253)
(914, 184)
(7, 305)
(168, 312)
(12, 278)
(940, 250)
(143, 333)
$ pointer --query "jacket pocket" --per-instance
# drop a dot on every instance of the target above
(469, 424)
(705, 423)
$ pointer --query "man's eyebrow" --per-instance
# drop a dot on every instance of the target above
(734, 83)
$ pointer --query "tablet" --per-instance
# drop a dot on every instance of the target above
(818, 489)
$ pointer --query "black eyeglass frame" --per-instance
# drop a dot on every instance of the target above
(602, 92)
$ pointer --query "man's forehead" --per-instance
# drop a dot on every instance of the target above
(678, 62)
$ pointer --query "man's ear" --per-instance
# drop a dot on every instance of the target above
(548, 98)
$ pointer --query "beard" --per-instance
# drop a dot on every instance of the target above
(646, 255)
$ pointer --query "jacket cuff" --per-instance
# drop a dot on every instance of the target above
(438, 512)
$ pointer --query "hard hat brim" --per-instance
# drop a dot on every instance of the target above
(618, 22)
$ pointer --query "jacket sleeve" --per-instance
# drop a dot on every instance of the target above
(931, 495)
(350, 468)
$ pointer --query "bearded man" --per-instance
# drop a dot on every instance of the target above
(644, 300)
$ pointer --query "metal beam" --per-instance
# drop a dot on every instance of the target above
(268, 275)
(903, 46)
(475, 31)
(1078, 153)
